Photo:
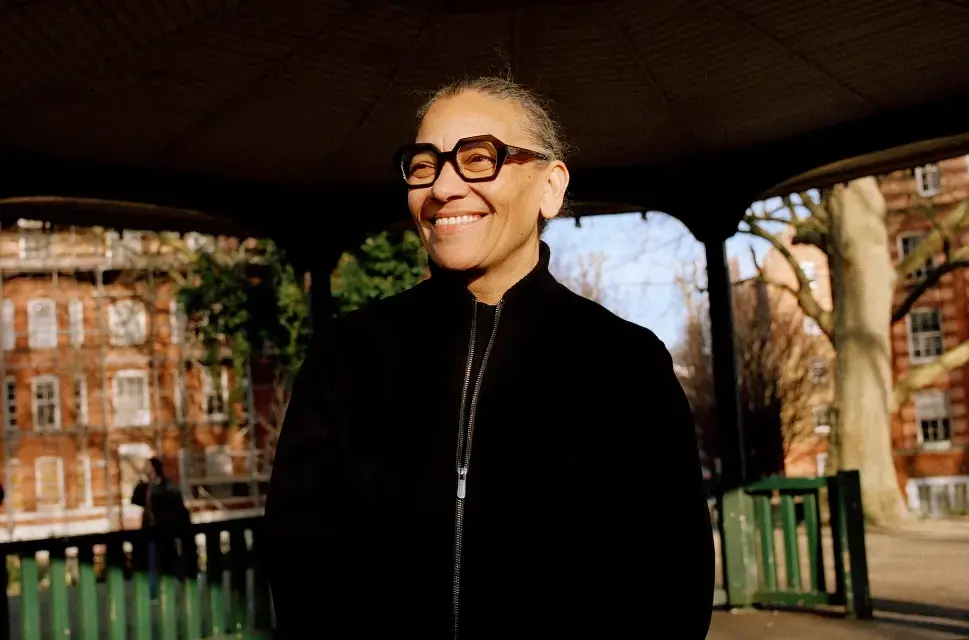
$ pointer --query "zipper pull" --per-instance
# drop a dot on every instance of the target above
(462, 482)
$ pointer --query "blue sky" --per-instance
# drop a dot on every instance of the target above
(641, 262)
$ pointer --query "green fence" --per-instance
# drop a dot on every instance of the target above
(209, 584)
(792, 508)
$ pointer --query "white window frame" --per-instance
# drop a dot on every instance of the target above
(35, 382)
(922, 271)
(928, 180)
(218, 461)
(7, 325)
(41, 336)
(140, 417)
(123, 314)
(82, 463)
(207, 390)
(38, 482)
(79, 398)
(177, 322)
(10, 410)
(811, 326)
(924, 335)
(199, 243)
(75, 314)
(821, 419)
(25, 252)
(178, 395)
(810, 271)
(936, 396)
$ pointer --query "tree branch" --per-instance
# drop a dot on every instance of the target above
(805, 299)
(954, 222)
(927, 283)
(924, 375)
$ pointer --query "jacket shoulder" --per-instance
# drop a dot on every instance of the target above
(602, 329)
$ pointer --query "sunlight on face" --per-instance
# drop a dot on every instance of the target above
(478, 226)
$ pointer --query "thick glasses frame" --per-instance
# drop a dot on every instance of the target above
(443, 157)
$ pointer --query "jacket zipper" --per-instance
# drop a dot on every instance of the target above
(463, 453)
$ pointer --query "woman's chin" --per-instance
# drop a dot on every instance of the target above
(455, 258)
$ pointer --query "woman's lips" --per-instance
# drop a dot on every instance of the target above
(454, 224)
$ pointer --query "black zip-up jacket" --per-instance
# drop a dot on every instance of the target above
(583, 512)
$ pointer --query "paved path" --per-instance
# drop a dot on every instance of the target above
(920, 583)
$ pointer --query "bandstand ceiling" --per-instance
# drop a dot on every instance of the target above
(267, 115)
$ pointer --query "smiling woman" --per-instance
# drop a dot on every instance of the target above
(547, 533)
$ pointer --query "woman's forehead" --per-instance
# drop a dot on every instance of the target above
(471, 114)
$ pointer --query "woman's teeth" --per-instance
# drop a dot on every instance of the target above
(453, 220)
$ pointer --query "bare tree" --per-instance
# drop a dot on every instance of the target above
(584, 276)
(849, 223)
(780, 380)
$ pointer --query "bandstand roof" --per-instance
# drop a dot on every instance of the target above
(269, 114)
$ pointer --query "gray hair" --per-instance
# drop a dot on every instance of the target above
(538, 122)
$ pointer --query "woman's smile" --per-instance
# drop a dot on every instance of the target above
(447, 224)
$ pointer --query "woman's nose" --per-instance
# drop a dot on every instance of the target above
(449, 184)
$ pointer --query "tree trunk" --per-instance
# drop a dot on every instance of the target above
(862, 284)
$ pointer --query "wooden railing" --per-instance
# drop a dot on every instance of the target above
(121, 585)
(793, 505)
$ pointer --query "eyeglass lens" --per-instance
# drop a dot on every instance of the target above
(473, 160)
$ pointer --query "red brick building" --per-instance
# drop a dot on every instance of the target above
(930, 433)
(99, 374)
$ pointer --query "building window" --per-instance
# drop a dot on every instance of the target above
(80, 401)
(41, 323)
(818, 371)
(907, 243)
(822, 419)
(131, 462)
(811, 326)
(199, 243)
(35, 239)
(121, 245)
(218, 461)
(127, 323)
(49, 476)
(178, 395)
(75, 312)
(928, 180)
(822, 463)
(10, 400)
(215, 401)
(924, 335)
(130, 398)
(45, 396)
(83, 493)
(7, 326)
(933, 418)
(811, 273)
(176, 317)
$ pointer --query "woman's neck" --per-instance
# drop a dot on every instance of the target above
(490, 286)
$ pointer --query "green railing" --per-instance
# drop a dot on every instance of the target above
(793, 505)
(209, 584)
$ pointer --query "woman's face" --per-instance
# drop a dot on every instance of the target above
(496, 219)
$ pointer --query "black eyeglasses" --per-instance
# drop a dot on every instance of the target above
(476, 159)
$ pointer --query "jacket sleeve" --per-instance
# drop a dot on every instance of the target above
(305, 506)
(664, 557)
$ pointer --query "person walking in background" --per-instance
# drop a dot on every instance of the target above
(165, 516)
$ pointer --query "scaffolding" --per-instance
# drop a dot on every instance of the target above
(129, 396)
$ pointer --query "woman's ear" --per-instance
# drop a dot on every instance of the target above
(555, 186)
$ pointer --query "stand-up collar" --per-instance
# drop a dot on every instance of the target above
(537, 282)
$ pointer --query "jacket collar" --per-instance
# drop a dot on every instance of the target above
(534, 287)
